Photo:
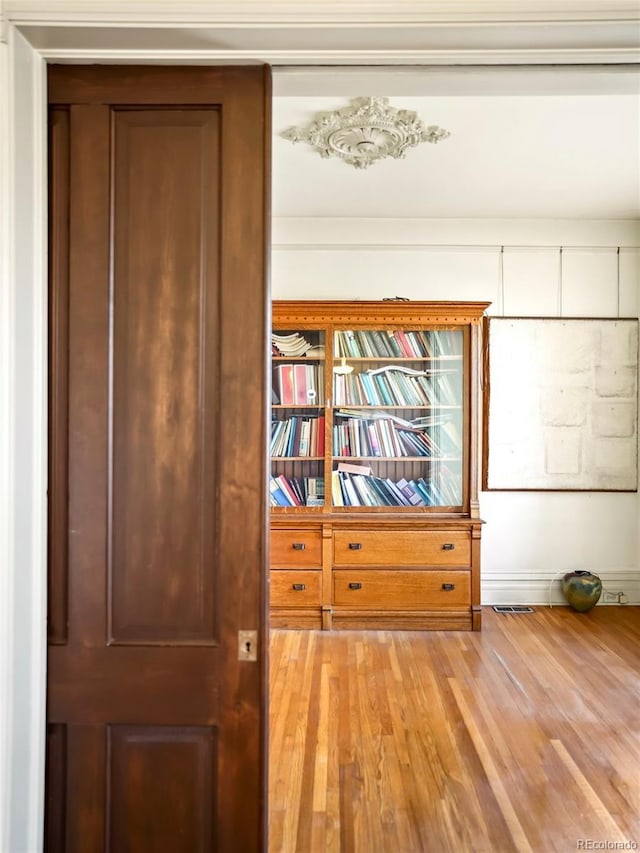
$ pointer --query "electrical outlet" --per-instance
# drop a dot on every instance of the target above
(622, 598)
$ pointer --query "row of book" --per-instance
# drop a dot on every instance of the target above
(296, 491)
(297, 436)
(395, 343)
(351, 489)
(383, 437)
(298, 385)
(395, 386)
(296, 345)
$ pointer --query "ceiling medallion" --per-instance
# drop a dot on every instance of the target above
(366, 131)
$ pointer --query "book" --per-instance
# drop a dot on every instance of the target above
(400, 498)
(291, 345)
(314, 384)
(277, 494)
(337, 498)
(361, 487)
(410, 492)
(285, 384)
(319, 446)
(300, 384)
(314, 491)
(384, 498)
(351, 496)
(396, 367)
(393, 343)
(288, 490)
(305, 436)
(351, 468)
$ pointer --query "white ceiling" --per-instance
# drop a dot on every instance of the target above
(526, 143)
(541, 97)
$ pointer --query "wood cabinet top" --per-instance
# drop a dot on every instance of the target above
(347, 312)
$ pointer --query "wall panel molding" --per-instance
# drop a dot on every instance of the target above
(336, 232)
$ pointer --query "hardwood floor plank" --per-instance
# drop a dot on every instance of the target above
(525, 736)
(607, 824)
(495, 773)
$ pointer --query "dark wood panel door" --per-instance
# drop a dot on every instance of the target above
(157, 558)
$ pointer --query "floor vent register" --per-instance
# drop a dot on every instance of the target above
(512, 608)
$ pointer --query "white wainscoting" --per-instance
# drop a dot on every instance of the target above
(540, 588)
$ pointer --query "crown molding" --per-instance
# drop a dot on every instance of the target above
(377, 32)
(105, 12)
(331, 32)
(347, 57)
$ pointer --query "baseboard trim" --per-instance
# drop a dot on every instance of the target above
(542, 588)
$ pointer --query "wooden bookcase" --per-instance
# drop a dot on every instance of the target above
(376, 418)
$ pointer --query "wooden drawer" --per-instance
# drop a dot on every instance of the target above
(401, 590)
(296, 549)
(295, 589)
(401, 548)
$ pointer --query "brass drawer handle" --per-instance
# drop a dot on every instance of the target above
(298, 546)
(448, 546)
(355, 546)
(448, 586)
(355, 586)
(299, 587)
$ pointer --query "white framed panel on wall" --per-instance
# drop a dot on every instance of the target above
(590, 282)
(531, 281)
(629, 261)
(562, 408)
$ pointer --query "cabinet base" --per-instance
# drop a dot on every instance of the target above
(374, 620)
(283, 618)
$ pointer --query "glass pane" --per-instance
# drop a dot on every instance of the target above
(398, 418)
(297, 444)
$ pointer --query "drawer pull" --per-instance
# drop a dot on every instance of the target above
(355, 586)
(355, 546)
(298, 546)
(299, 587)
(448, 546)
(448, 586)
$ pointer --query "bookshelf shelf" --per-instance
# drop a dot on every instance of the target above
(300, 358)
(396, 458)
(376, 406)
(401, 359)
(385, 399)
(298, 458)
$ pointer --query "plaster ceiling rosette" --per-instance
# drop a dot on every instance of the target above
(366, 131)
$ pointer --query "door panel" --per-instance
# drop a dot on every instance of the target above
(159, 315)
(165, 392)
(177, 815)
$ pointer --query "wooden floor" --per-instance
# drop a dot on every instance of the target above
(524, 737)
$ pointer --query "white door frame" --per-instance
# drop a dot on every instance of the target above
(29, 37)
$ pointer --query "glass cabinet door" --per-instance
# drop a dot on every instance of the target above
(397, 418)
(297, 446)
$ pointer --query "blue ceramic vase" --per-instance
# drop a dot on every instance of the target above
(581, 589)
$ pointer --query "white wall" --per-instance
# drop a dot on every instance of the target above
(23, 455)
(525, 268)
